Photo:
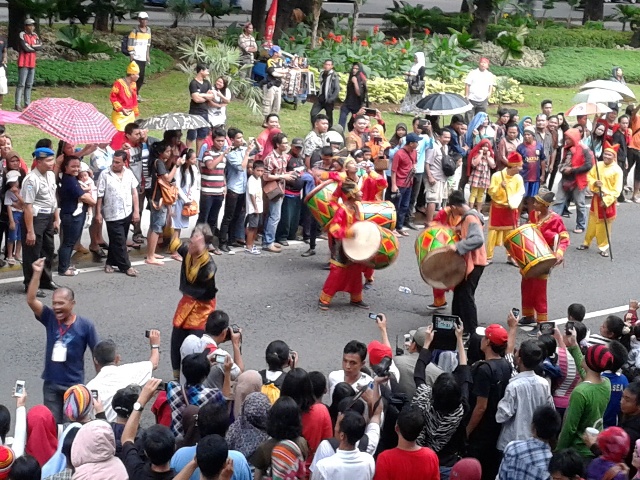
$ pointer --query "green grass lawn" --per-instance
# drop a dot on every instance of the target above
(168, 93)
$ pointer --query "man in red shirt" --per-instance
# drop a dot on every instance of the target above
(402, 171)
(28, 44)
(408, 460)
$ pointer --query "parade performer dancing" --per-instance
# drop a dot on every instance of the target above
(605, 181)
(448, 218)
(124, 98)
(198, 287)
(344, 275)
(506, 191)
(534, 290)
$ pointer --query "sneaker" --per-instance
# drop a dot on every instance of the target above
(283, 243)
(323, 306)
(271, 248)
(11, 261)
(140, 99)
(252, 251)
(434, 307)
(367, 286)
(411, 226)
(225, 248)
(309, 253)
(526, 321)
(360, 304)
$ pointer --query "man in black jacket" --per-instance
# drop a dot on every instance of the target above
(329, 91)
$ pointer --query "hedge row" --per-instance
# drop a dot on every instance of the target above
(568, 67)
(85, 72)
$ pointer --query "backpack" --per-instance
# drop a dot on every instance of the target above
(269, 388)
(124, 46)
(448, 165)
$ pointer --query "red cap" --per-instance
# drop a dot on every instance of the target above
(496, 334)
(466, 469)
(377, 351)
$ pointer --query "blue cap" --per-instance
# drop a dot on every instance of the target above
(273, 50)
(43, 152)
(413, 137)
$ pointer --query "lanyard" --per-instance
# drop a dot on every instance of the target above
(64, 332)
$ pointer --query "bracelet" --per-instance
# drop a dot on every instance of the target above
(155, 346)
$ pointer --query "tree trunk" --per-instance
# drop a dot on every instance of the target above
(258, 15)
(16, 22)
(481, 18)
(464, 7)
(635, 39)
(317, 10)
(101, 22)
(593, 11)
(356, 14)
(284, 19)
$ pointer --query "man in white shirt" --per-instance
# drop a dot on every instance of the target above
(112, 376)
(348, 463)
(478, 87)
(436, 187)
(353, 359)
(216, 331)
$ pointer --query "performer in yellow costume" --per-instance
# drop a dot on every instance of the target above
(124, 98)
(605, 181)
(506, 191)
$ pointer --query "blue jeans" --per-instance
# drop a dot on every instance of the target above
(402, 205)
(25, 84)
(71, 233)
(561, 204)
(269, 233)
(210, 206)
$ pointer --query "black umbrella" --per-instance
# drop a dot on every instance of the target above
(444, 103)
(174, 121)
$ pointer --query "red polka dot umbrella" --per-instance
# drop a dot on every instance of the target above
(69, 120)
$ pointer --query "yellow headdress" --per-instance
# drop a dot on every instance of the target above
(133, 69)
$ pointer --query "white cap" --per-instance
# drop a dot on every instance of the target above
(12, 176)
(143, 15)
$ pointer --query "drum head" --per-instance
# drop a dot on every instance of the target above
(365, 241)
(443, 268)
(539, 267)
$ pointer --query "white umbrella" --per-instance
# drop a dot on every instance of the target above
(622, 89)
(597, 95)
(586, 109)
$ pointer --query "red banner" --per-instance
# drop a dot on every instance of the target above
(270, 25)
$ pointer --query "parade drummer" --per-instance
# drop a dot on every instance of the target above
(534, 290)
(344, 275)
(506, 191)
(605, 181)
(448, 218)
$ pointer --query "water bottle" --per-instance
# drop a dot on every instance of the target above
(406, 290)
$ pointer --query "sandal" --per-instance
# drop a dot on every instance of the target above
(582, 247)
(132, 272)
(138, 238)
(578, 230)
(99, 253)
(604, 254)
(69, 273)
(108, 269)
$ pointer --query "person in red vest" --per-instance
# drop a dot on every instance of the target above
(28, 45)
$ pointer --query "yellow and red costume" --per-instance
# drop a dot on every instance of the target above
(124, 96)
(444, 217)
(344, 275)
(605, 207)
(534, 290)
(503, 212)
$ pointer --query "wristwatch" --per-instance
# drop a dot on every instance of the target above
(138, 407)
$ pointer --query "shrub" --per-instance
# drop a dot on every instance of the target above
(85, 72)
(547, 38)
(72, 37)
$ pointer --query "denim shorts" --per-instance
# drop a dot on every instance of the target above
(199, 133)
(16, 235)
(158, 219)
(252, 220)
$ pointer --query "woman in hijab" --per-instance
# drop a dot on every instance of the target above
(356, 96)
(525, 122)
(250, 427)
(61, 460)
(415, 81)
(93, 453)
(42, 434)
(248, 382)
(476, 129)
(400, 132)
(613, 444)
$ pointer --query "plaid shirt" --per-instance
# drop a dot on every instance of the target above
(525, 460)
(196, 395)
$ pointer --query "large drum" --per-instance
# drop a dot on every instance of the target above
(319, 202)
(527, 246)
(382, 213)
(439, 266)
(370, 245)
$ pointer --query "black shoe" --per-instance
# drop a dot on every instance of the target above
(284, 243)
(39, 293)
(526, 321)
(52, 286)
(225, 248)
(327, 267)
(411, 226)
(309, 253)
(305, 240)
(534, 331)
(360, 304)
(104, 245)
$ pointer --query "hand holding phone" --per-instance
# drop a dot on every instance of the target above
(19, 388)
(546, 328)
(94, 394)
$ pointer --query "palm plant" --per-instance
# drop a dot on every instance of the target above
(180, 10)
(512, 43)
(407, 17)
(215, 9)
(222, 60)
(627, 14)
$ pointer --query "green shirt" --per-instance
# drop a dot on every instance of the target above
(587, 404)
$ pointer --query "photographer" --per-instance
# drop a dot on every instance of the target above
(217, 331)
(354, 355)
(278, 357)
(377, 351)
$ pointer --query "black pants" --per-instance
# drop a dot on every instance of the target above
(140, 80)
(464, 302)
(488, 455)
(289, 218)
(314, 231)
(318, 107)
(44, 247)
(53, 399)
(71, 233)
(210, 206)
(118, 256)
(177, 337)
(232, 209)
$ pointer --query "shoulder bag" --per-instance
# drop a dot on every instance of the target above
(168, 191)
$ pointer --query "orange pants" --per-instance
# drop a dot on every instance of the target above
(534, 298)
(347, 278)
(439, 298)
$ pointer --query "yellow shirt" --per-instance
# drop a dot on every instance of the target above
(512, 195)
(611, 177)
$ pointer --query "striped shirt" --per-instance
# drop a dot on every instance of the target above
(139, 43)
(570, 378)
(212, 179)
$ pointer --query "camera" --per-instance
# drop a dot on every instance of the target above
(220, 358)
(162, 386)
(232, 329)
(568, 327)
(19, 388)
(293, 358)
(547, 328)
(382, 369)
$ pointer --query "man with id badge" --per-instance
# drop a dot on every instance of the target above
(41, 218)
(68, 336)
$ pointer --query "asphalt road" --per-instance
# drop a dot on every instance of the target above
(274, 296)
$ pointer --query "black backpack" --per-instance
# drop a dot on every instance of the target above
(124, 46)
(448, 165)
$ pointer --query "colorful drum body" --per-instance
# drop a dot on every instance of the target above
(529, 249)
(319, 201)
(371, 245)
(439, 267)
(382, 213)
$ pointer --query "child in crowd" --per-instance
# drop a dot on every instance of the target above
(482, 163)
(254, 207)
(633, 360)
(13, 202)
(613, 328)
(88, 185)
(631, 317)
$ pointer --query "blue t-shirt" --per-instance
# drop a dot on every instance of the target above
(184, 455)
(69, 193)
(77, 337)
(618, 383)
